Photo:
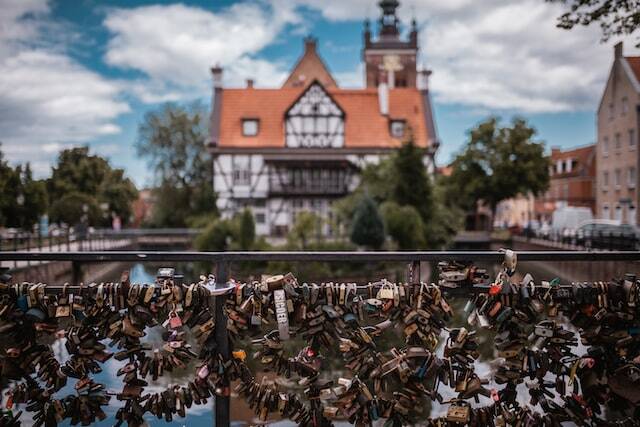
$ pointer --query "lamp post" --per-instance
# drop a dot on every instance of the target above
(20, 203)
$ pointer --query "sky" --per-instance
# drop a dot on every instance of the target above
(85, 72)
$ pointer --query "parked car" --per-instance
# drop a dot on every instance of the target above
(567, 219)
(607, 234)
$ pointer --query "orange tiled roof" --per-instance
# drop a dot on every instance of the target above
(364, 125)
(310, 67)
(634, 62)
(582, 154)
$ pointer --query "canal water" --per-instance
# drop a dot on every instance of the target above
(241, 415)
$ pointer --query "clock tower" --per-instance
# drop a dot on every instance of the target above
(388, 55)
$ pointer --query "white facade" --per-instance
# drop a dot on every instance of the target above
(254, 181)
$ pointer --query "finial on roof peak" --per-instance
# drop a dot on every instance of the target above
(310, 43)
(389, 21)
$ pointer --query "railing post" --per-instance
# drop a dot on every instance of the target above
(29, 248)
(76, 272)
(15, 249)
(222, 411)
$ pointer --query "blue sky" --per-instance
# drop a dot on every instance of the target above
(85, 71)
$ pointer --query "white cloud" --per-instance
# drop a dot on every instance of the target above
(351, 79)
(14, 23)
(175, 45)
(48, 101)
(499, 55)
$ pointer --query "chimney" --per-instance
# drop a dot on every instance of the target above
(216, 73)
(617, 50)
(216, 106)
(310, 44)
(250, 83)
(383, 94)
(423, 79)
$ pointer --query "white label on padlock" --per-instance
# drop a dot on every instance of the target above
(281, 313)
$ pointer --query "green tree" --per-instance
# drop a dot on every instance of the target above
(404, 225)
(368, 227)
(447, 217)
(23, 198)
(412, 185)
(215, 237)
(615, 17)
(402, 179)
(173, 138)
(498, 163)
(305, 228)
(246, 234)
(237, 233)
(72, 207)
(79, 176)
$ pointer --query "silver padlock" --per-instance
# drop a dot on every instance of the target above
(510, 261)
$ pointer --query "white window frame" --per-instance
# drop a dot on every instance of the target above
(249, 131)
(617, 177)
(631, 176)
(606, 212)
(632, 215)
(632, 139)
(605, 180)
(241, 172)
(605, 146)
(396, 125)
(569, 163)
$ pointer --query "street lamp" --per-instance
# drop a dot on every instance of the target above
(20, 202)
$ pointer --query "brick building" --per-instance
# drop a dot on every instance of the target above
(572, 176)
(299, 147)
(618, 122)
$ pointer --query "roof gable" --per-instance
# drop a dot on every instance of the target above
(309, 68)
(315, 96)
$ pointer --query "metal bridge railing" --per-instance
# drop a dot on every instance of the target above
(222, 260)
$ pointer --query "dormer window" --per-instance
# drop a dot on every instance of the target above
(250, 127)
(397, 128)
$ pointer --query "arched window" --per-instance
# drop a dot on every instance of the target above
(315, 120)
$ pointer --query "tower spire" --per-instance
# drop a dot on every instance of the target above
(388, 52)
(389, 19)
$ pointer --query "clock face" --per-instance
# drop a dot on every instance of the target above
(391, 63)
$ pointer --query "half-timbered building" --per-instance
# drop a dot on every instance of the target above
(300, 147)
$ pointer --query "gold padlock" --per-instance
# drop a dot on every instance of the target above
(458, 414)
(385, 292)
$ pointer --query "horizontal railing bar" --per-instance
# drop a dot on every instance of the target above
(89, 287)
(302, 256)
